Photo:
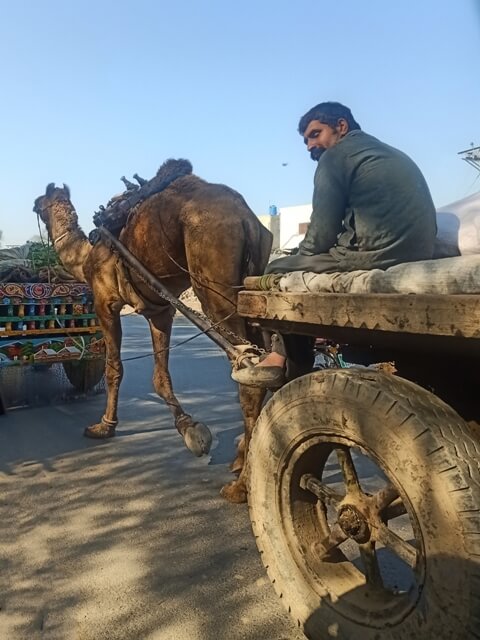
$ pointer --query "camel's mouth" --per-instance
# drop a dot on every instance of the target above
(38, 207)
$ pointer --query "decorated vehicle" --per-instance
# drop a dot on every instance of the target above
(42, 323)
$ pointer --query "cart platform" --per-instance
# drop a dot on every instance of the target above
(452, 321)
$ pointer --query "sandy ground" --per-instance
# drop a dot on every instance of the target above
(129, 539)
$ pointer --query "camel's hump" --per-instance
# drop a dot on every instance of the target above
(172, 169)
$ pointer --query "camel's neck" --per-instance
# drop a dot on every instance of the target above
(69, 241)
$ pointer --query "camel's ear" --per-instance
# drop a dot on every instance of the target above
(67, 189)
(50, 189)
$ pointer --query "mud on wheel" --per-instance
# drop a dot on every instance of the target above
(84, 374)
(364, 498)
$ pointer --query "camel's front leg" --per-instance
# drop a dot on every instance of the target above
(112, 333)
(251, 399)
(196, 435)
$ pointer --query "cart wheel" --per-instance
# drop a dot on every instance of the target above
(84, 374)
(364, 497)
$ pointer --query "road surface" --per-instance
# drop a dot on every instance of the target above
(129, 539)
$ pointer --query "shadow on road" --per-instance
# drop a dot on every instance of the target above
(129, 538)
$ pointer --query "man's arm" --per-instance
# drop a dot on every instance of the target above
(329, 203)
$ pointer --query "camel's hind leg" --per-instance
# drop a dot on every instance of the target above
(196, 435)
(251, 400)
(218, 302)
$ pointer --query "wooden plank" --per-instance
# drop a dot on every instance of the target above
(56, 316)
(46, 332)
(454, 316)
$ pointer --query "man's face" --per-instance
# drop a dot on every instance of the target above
(319, 136)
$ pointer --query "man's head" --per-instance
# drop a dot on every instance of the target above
(325, 125)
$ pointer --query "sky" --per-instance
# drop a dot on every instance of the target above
(95, 89)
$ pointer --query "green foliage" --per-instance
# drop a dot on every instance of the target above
(42, 255)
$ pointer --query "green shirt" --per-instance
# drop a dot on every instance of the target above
(371, 206)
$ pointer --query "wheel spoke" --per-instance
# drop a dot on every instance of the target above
(322, 514)
(336, 537)
(389, 503)
(395, 543)
(310, 483)
(370, 562)
(349, 472)
(384, 497)
(394, 510)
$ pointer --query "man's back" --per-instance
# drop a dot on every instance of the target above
(383, 200)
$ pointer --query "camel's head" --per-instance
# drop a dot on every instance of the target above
(53, 195)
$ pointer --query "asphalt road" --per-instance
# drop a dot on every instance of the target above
(129, 539)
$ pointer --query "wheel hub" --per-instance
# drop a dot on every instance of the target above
(354, 524)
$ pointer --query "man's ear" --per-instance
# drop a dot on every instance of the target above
(342, 127)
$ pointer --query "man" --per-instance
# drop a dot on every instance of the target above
(371, 209)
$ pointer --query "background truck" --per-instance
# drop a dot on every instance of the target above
(46, 319)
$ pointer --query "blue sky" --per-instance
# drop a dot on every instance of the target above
(96, 89)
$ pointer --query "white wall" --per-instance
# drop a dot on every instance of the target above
(273, 224)
(290, 218)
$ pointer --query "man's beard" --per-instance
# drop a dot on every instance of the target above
(316, 153)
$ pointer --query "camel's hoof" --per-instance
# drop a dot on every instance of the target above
(99, 431)
(234, 492)
(198, 439)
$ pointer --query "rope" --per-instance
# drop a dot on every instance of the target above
(178, 344)
(47, 246)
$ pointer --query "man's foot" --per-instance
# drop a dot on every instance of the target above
(269, 373)
(260, 376)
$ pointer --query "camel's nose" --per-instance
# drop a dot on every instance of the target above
(37, 208)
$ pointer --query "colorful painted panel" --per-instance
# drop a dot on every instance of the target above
(41, 290)
(51, 349)
(42, 322)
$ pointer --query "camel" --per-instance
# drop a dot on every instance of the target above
(192, 233)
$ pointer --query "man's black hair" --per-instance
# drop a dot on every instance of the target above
(328, 113)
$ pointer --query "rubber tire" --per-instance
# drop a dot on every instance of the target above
(434, 460)
(84, 374)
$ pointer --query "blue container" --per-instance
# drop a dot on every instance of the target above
(272, 210)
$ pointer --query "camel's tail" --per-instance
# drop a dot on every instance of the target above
(257, 248)
(258, 245)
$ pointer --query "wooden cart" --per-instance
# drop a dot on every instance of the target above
(365, 486)
(43, 324)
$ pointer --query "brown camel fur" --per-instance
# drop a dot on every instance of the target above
(192, 233)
